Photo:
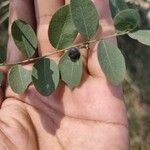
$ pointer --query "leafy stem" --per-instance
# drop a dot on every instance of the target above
(54, 51)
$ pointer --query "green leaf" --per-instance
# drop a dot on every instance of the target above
(19, 79)
(116, 6)
(71, 71)
(4, 14)
(62, 31)
(24, 38)
(142, 36)
(45, 76)
(4, 17)
(4, 4)
(85, 17)
(126, 20)
(1, 78)
(112, 62)
(2, 54)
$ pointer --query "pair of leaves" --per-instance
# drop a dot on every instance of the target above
(45, 75)
(80, 16)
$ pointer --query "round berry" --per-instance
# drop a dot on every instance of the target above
(74, 53)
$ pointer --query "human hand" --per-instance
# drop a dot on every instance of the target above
(89, 117)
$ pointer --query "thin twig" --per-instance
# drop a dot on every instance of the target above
(54, 51)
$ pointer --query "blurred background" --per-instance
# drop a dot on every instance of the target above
(137, 83)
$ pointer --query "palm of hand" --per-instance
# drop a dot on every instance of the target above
(68, 119)
(87, 117)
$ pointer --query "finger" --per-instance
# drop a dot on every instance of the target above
(107, 28)
(44, 12)
(22, 9)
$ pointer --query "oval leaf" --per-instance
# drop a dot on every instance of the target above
(71, 71)
(142, 36)
(116, 6)
(45, 76)
(112, 62)
(85, 17)
(24, 38)
(126, 20)
(62, 31)
(19, 79)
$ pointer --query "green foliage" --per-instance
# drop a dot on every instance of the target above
(85, 17)
(4, 6)
(4, 3)
(3, 16)
(126, 20)
(24, 38)
(116, 6)
(71, 71)
(62, 31)
(19, 79)
(79, 16)
(112, 62)
(45, 76)
(143, 36)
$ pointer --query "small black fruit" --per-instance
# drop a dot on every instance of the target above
(74, 53)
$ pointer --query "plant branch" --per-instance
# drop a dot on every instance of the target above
(54, 51)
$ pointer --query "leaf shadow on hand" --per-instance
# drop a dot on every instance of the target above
(51, 109)
(45, 109)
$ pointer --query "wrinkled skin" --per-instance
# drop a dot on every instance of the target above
(89, 117)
